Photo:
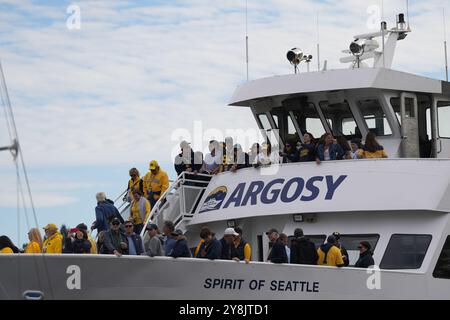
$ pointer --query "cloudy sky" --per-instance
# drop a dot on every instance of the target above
(92, 102)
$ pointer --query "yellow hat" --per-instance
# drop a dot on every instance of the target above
(50, 226)
(153, 165)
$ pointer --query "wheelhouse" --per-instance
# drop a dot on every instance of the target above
(409, 114)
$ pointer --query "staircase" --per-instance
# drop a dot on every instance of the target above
(177, 204)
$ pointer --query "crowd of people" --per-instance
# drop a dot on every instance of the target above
(121, 239)
(227, 156)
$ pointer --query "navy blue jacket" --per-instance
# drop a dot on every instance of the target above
(77, 246)
(137, 240)
(213, 249)
(104, 213)
(365, 260)
(336, 152)
(181, 249)
(278, 253)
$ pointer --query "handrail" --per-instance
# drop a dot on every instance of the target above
(180, 180)
(125, 204)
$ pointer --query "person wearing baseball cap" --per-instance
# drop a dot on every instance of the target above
(156, 182)
(329, 254)
(54, 239)
(344, 252)
(365, 255)
(227, 242)
(243, 250)
(153, 247)
(185, 159)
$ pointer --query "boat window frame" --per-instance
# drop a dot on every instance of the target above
(303, 129)
(357, 102)
(308, 236)
(406, 234)
(445, 247)
(363, 237)
(438, 118)
(330, 125)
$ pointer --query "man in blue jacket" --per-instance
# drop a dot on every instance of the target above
(135, 242)
(105, 212)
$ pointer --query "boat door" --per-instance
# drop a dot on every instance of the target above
(409, 126)
(440, 124)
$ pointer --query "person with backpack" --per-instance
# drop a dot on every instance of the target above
(303, 251)
(329, 254)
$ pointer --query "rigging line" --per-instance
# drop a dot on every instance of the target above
(35, 257)
(19, 283)
(8, 125)
(22, 161)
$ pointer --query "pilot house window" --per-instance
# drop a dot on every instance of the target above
(375, 117)
(442, 269)
(444, 119)
(340, 119)
(405, 251)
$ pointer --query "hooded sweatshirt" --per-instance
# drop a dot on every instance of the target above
(329, 255)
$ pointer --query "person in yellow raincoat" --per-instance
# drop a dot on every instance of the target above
(53, 243)
(35, 244)
(156, 182)
(139, 211)
(6, 245)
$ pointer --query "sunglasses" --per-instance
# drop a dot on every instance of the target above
(360, 247)
(116, 224)
(129, 226)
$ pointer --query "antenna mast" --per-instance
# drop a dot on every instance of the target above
(246, 36)
(445, 45)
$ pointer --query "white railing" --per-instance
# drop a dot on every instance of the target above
(185, 181)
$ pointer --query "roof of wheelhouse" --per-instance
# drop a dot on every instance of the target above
(341, 79)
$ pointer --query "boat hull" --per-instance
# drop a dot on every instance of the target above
(110, 277)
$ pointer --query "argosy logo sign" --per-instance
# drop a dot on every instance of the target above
(281, 190)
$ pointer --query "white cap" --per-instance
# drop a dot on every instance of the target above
(230, 232)
(184, 144)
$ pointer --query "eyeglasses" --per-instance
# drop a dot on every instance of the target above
(360, 247)
(116, 223)
(129, 226)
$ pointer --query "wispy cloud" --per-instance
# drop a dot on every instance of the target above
(112, 92)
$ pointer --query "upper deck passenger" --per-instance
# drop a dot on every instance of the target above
(371, 148)
(307, 149)
(327, 149)
(185, 159)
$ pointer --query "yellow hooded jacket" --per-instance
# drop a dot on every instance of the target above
(156, 183)
(53, 244)
(33, 247)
